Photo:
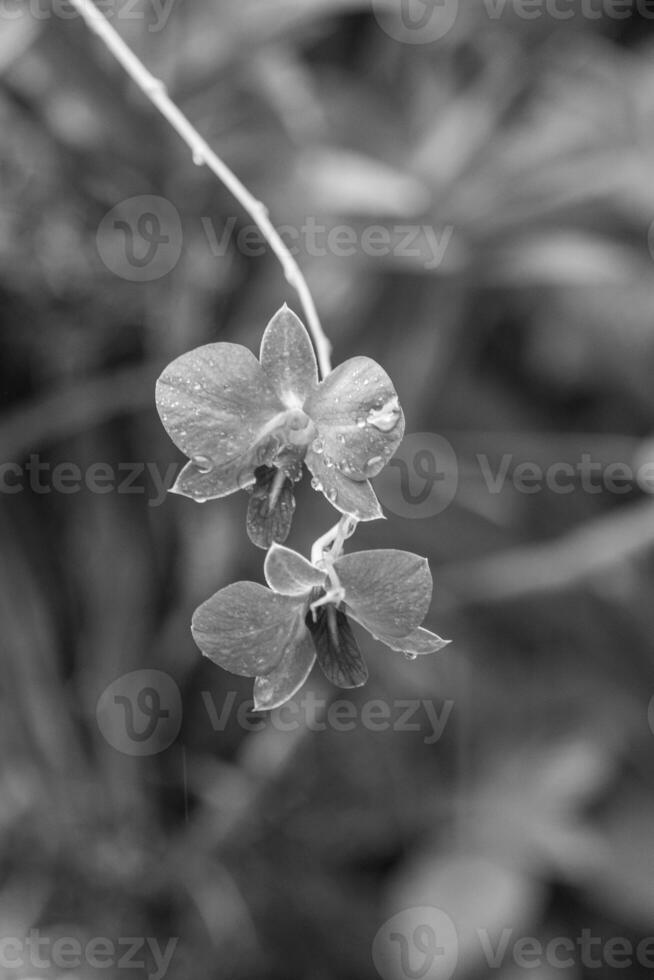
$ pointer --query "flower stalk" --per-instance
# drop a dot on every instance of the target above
(248, 423)
(203, 155)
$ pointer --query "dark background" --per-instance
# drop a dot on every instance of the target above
(271, 854)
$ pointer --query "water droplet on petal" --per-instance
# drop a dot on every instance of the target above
(410, 656)
(332, 496)
(318, 446)
(203, 464)
(361, 423)
(385, 418)
(372, 466)
(329, 462)
(316, 484)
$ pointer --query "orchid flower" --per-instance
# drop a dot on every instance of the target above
(276, 633)
(252, 424)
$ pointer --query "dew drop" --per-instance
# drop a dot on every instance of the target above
(203, 464)
(318, 446)
(410, 656)
(373, 465)
(329, 462)
(385, 418)
(332, 496)
(361, 424)
(316, 484)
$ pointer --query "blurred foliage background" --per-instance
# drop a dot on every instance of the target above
(279, 855)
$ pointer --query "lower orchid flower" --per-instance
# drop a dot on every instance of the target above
(275, 634)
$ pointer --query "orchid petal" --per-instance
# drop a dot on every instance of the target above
(349, 497)
(358, 416)
(245, 628)
(290, 674)
(215, 402)
(271, 509)
(387, 591)
(337, 648)
(419, 642)
(202, 483)
(288, 359)
(289, 573)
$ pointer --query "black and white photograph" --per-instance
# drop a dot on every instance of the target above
(326, 489)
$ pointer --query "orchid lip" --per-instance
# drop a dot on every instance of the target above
(292, 428)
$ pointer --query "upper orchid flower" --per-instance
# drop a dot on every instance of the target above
(251, 424)
(275, 634)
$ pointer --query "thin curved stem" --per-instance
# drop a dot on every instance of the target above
(155, 91)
